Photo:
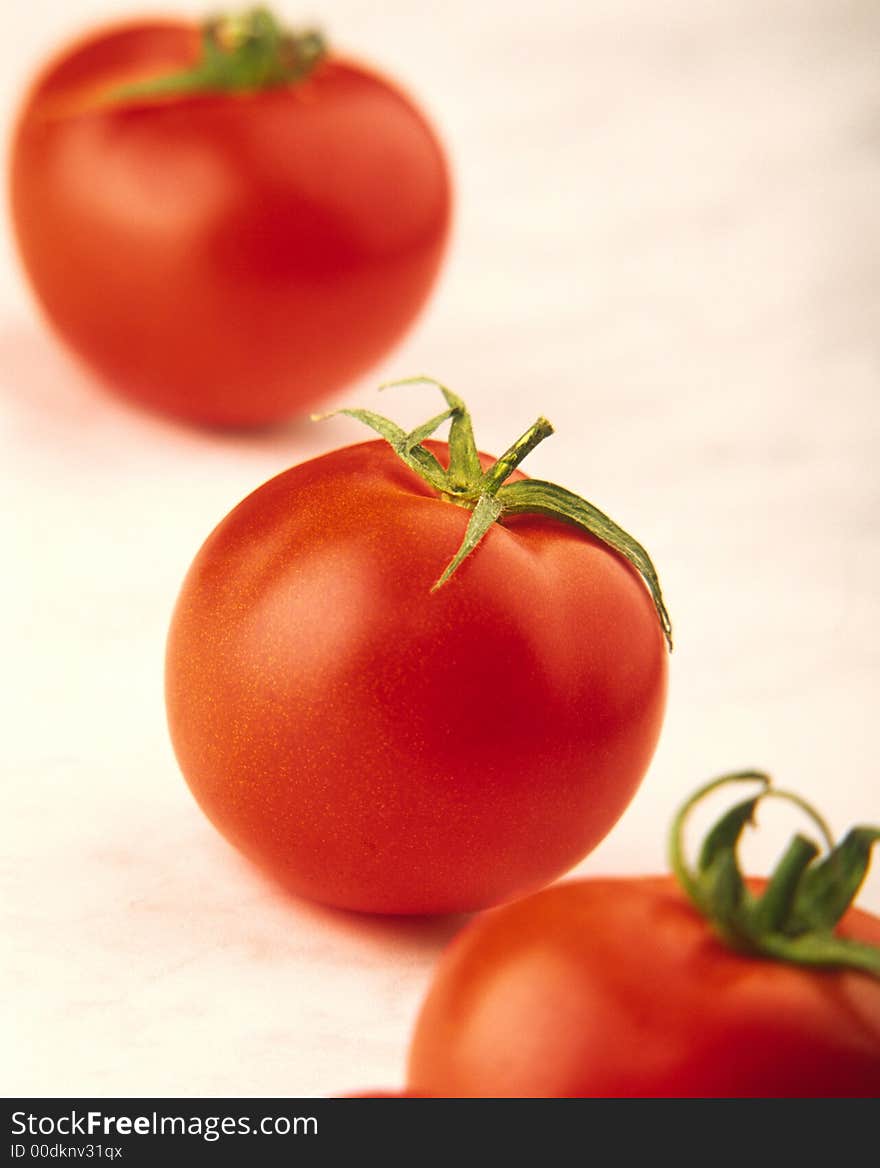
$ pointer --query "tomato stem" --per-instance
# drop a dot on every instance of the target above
(488, 494)
(504, 467)
(243, 53)
(794, 918)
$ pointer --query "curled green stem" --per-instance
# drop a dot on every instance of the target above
(795, 917)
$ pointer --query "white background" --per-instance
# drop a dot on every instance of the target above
(667, 241)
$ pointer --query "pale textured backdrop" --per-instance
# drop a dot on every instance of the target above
(667, 241)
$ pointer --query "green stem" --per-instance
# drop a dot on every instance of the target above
(244, 53)
(464, 460)
(684, 874)
(503, 468)
(824, 951)
(774, 907)
(808, 809)
(491, 498)
(793, 920)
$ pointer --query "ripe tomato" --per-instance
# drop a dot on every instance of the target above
(224, 257)
(620, 988)
(377, 745)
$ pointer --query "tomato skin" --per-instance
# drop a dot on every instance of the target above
(618, 988)
(380, 747)
(225, 259)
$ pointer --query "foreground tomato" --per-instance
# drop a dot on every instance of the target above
(379, 745)
(620, 988)
(231, 242)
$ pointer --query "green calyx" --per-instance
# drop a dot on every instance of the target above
(240, 54)
(794, 918)
(490, 497)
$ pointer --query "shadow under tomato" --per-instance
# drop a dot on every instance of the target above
(50, 397)
(420, 933)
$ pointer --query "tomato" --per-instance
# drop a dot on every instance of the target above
(224, 257)
(620, 988)
(617, 988)
(380, 746)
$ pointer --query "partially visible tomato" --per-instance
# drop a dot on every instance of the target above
(620, 988)
(379, 745)
(224, 257)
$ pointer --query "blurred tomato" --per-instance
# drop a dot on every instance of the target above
(224, 257)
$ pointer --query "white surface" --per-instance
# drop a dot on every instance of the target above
(667, 241)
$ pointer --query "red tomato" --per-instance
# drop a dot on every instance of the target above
(379, 746)
(224, 258)
(619, 988)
